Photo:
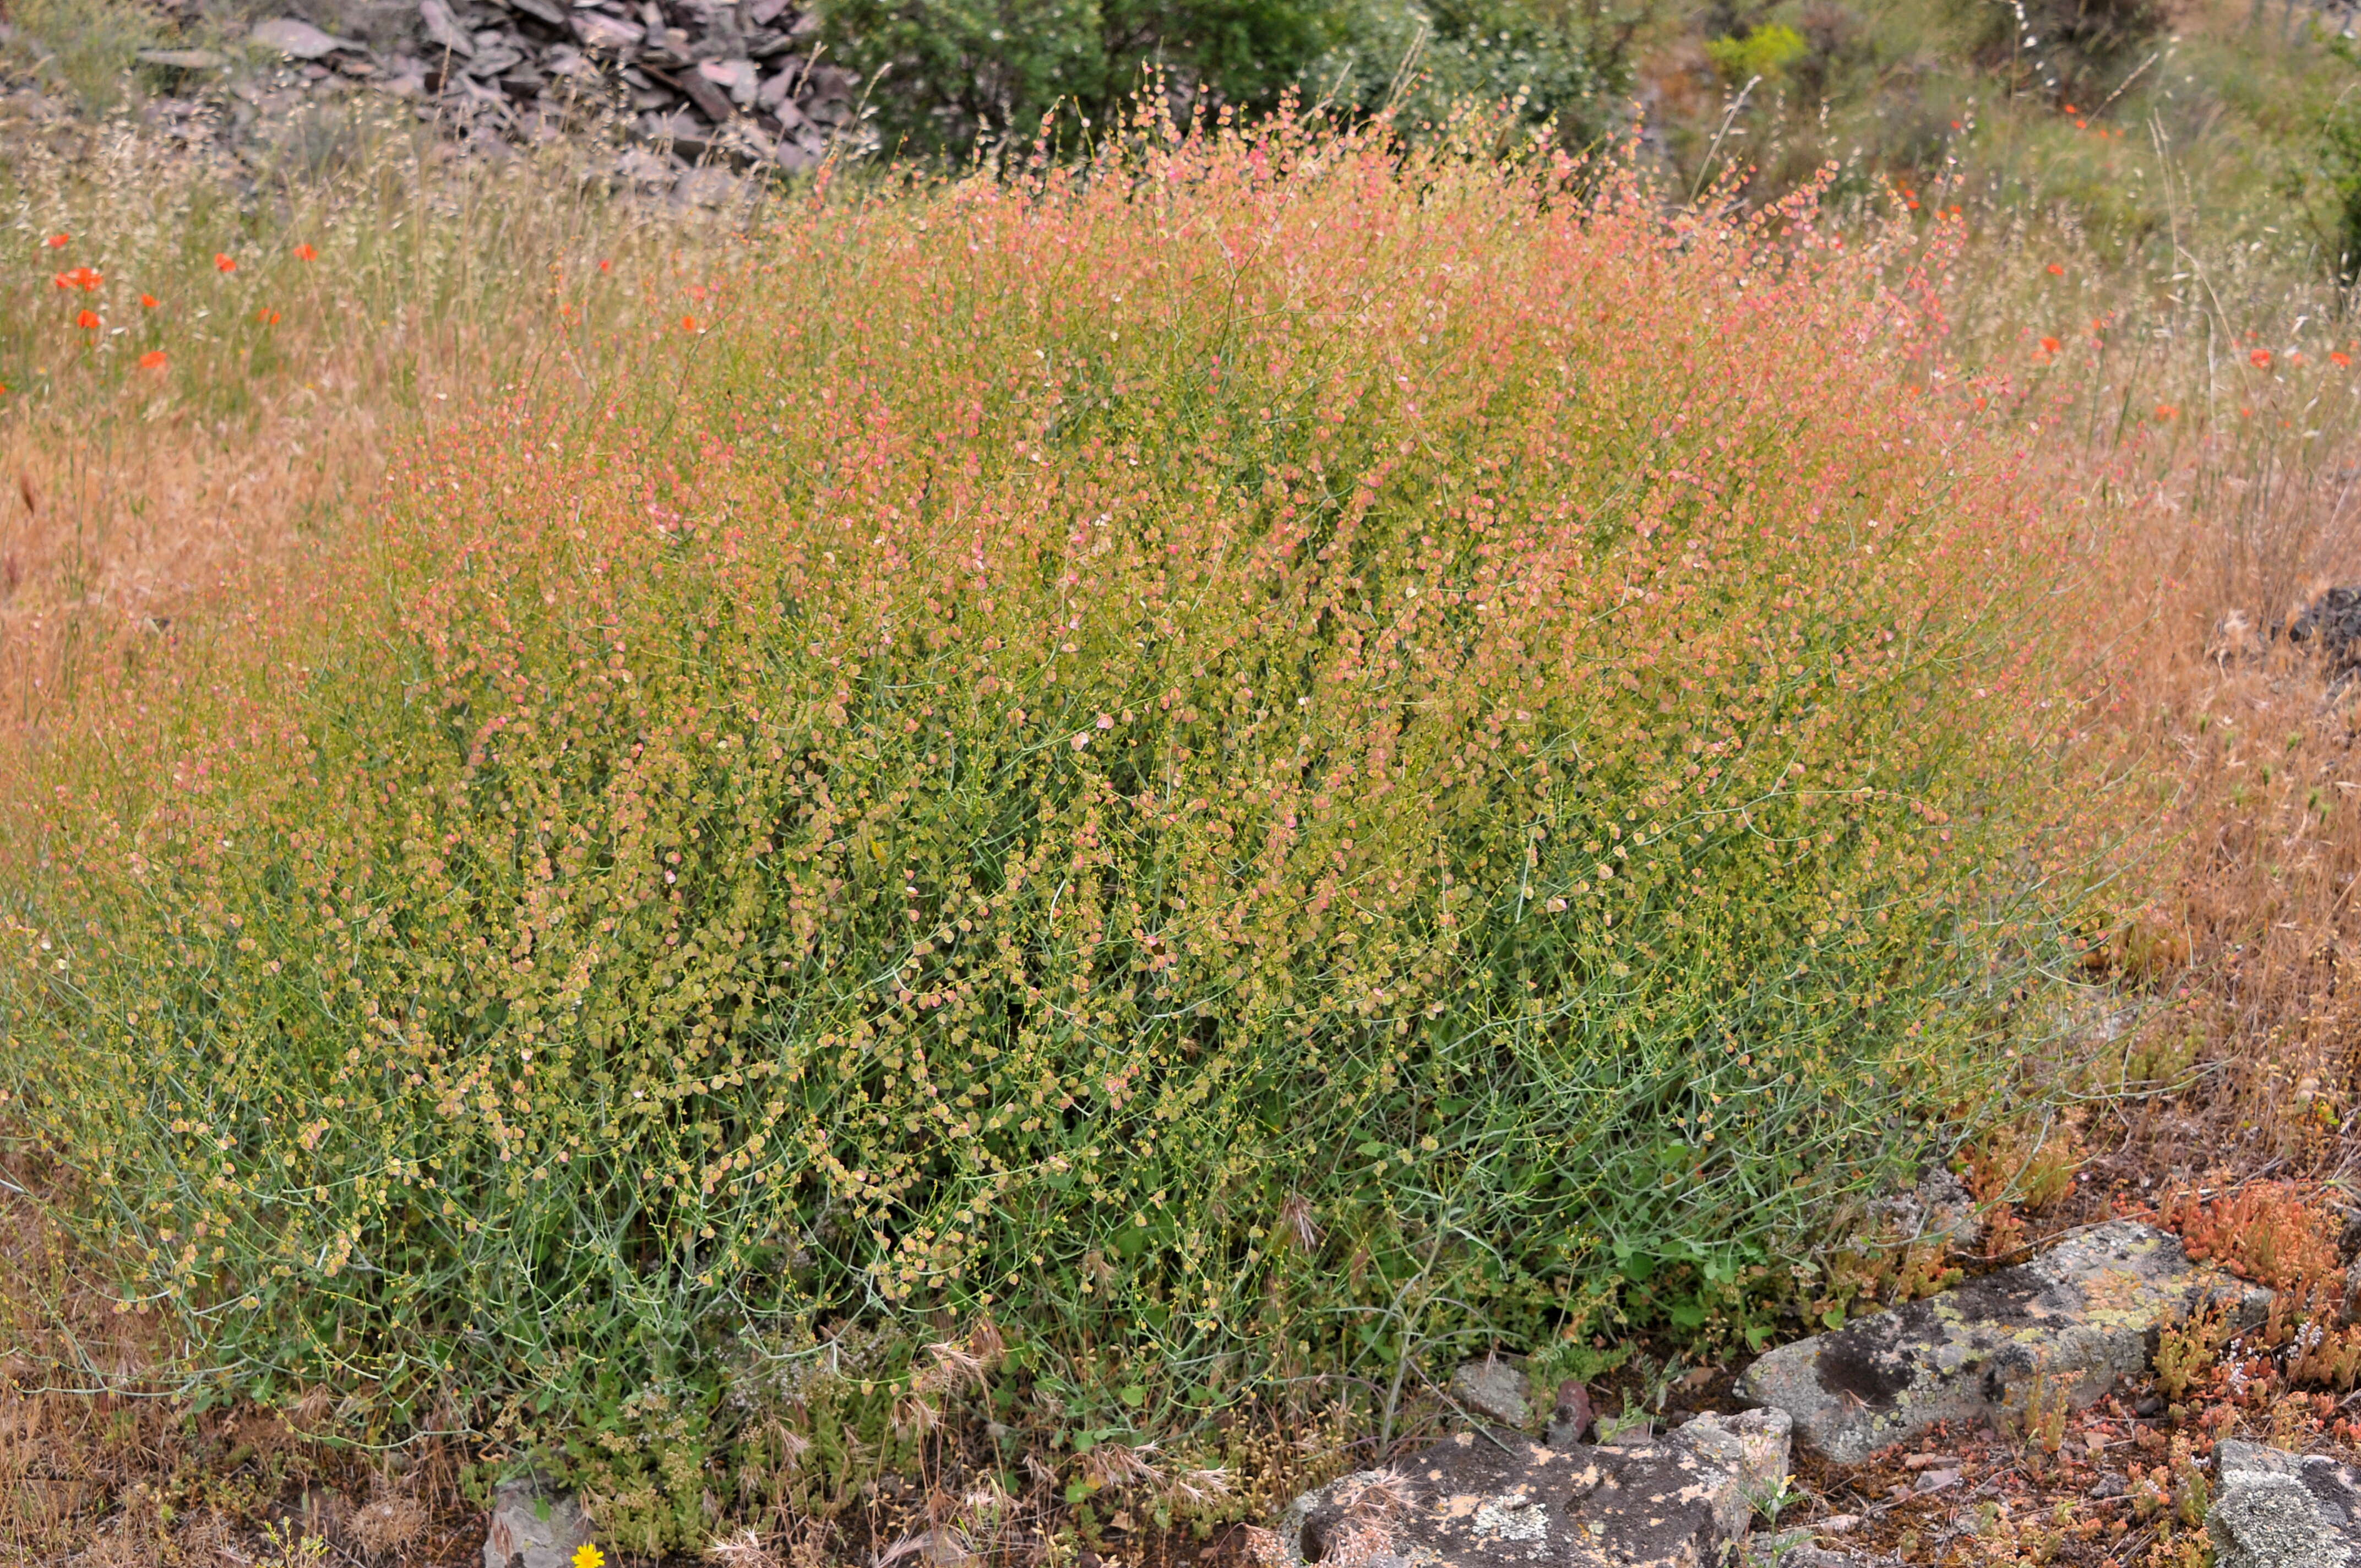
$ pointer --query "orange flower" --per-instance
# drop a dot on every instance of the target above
(2055, 270)
(305, 253)
(58, 241)
(147, 302)
(2051, 346)
(606, 267)
(690, 323)
(2339, 358)
(266, 317)
(225, 261)
(2166, 411)
(2071, 110)
(87, 320)
(152, 360)
(2260, 359)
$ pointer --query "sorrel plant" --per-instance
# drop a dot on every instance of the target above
(1228, 773)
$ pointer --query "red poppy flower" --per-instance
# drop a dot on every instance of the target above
(2260, 359)
(305, 253)
(58, 241)
(2339, 358)
(606, 267)
(2051, 346)
(225, 261)
(690, 323)
(152, 360)
(2055, 270)
(87, 320)
(266, 317)
(2071, 110)
(86, 279)
(2166, 411)
(147, 302)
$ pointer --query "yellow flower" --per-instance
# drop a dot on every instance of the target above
(588, 1556)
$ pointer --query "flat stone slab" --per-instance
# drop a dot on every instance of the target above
(1497, 1499)
(2073, 1320)
(2277, 1509)
(300, 39)
(183, 58)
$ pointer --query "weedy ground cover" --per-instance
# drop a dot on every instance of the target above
(1108, 792)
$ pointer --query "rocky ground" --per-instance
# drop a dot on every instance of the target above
(2026, 1416)
(683, 97)
(2109, 1402)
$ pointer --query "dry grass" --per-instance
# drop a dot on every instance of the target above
(402, 289)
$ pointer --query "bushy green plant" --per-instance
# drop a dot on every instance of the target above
(957, 72)
(1260, 764)
(1567, 62)
(2064, 46)
(1763, 53)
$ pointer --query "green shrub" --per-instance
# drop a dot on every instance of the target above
(1265, 764)
(2060, 48)
(1567, 62)
(1764, 53)
(958, 73)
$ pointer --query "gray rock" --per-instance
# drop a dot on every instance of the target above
(2277, 1509)
(739, 78)
(1802, 1553)
(2078, 1316)
(1493, 1389)
(381, 23)
(611, 35)
(533, 1529)
(300, 39)
(443, 30)
(1936, 1209)
(1492, 1500)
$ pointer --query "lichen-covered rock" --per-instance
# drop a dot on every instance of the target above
(1490, 1500)
(2066, 1325)
(2276, 1510)
(1493, 1389)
